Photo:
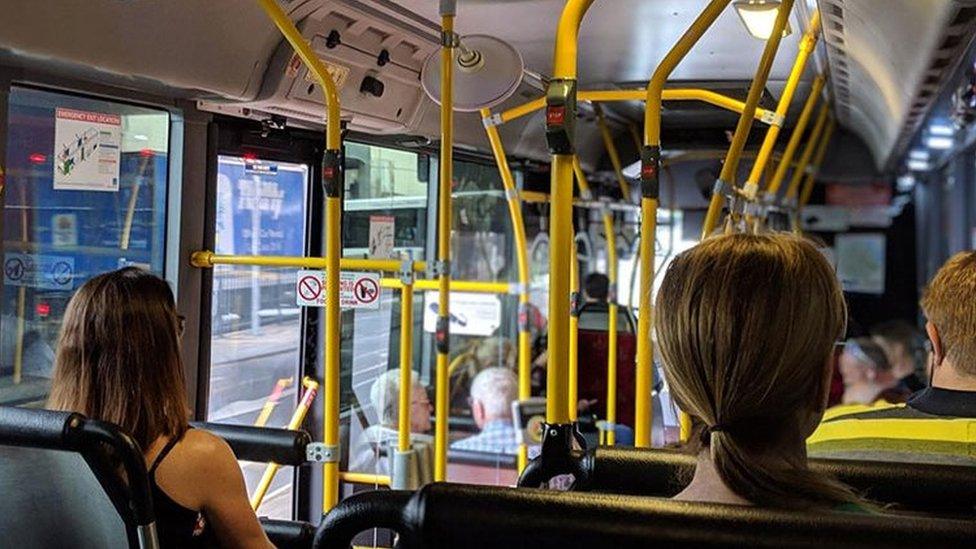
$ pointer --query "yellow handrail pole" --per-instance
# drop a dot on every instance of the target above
(522, 260)
(575, 304)
(731, 165)
(650, 192)
(130, 211)
(560, 120)
(811, 146)
(814, 168)
(406, 366)
(364, 478)
(618, 168)
(807, 45)
(272, 401)
(635, 135)
(205, 259)
(448, 9)
(332, 181)
(796, 137)
(611, 238)
(21, 293)
(311, 389)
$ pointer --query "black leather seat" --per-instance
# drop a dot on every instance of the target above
(475, 517)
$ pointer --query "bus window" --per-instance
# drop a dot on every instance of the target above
(255, 319)
(86, 188)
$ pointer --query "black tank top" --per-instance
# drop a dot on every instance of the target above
(177, 525)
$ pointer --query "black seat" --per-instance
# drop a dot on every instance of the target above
(60, 487)
(916, 487)
(475, 517)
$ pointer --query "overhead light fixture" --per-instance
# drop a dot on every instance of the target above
(759, 17)
(941, 130)
(940, 143)
(919, 154)
(918, 165)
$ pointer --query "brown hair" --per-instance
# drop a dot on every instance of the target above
(948, 303)
(746, 324)
(118, 357)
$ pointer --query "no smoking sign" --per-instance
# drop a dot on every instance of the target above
(356, 290)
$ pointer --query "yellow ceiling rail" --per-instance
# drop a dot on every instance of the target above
(332, 182)
(726, 180)
(650, 192)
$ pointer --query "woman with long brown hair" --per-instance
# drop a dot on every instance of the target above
(746, 326)
(118, 360)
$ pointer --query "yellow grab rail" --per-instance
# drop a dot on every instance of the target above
(406, 366)
(814, 167)
(812, 142)
(618, 169)
(364, 478)
(522, 259)
(574, 289)
(448, 9)
(332, 181)
(311, 389)
(205, 259)
(807, 45)
(796, 137)
(742, 129)
(650, 191)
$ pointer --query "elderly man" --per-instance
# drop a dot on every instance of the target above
(492, 393)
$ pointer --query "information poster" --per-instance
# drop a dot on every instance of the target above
(87, 155)
(381, 232)
(470, 314)
(861, 262)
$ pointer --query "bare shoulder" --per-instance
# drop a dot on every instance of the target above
(207, 452)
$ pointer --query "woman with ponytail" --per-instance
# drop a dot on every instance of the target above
(746, 326)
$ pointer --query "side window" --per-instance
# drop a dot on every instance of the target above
(255, 320)
(86, 186)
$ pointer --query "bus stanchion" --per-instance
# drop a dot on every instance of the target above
(811, 176)
(650, 192)
(726, 180)
(575, 306)
(816, 136)
(332, 182)
(796, 138)
(311, 389)
(404, 475)
(272, 401)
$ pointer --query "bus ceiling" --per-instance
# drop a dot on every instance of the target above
(887, 59)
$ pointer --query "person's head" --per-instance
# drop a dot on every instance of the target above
(951, 312)
(746, 325)
(118, 358)
(596, 287)
(492, 393)
(385, 395)
(900, 341)
(864, 362)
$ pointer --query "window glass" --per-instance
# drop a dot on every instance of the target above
(256, 323)
(86, 186)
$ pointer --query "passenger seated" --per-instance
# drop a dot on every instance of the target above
(901, 343)
(746, 326)
(867, 374)
(118, 360)
(938, 424)
(492, 393)
(594, 314)
(371, 453)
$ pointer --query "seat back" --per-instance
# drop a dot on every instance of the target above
(593, 348)
(475, 517)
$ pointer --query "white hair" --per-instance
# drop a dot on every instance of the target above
(385, 395)
(496, 388)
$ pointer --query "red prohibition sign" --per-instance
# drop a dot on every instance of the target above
(310, 288)
(366, 290)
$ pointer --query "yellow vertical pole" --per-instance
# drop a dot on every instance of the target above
(731, 165)
(796, 137)
(574, 289)
(406, 365)
(807, 45)
(311, 389)
(332, 182)
(814, 168)
(618, 168)
(650, 192)
(522, 259)
(560, 119)
(21, 297)
(448, 10)
(808, 150)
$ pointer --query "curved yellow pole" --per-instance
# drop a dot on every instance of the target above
(441, 404)
(650, 192)
(812, 143)
(613, 309)
(563, 86)
(332, 181)
(731, 165)
(772, 189)
(522, 259)
(807, 45)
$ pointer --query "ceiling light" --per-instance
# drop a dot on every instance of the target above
(919, 154)
(759, 17)
(940, 143)
(918, 165)
(940, 129)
